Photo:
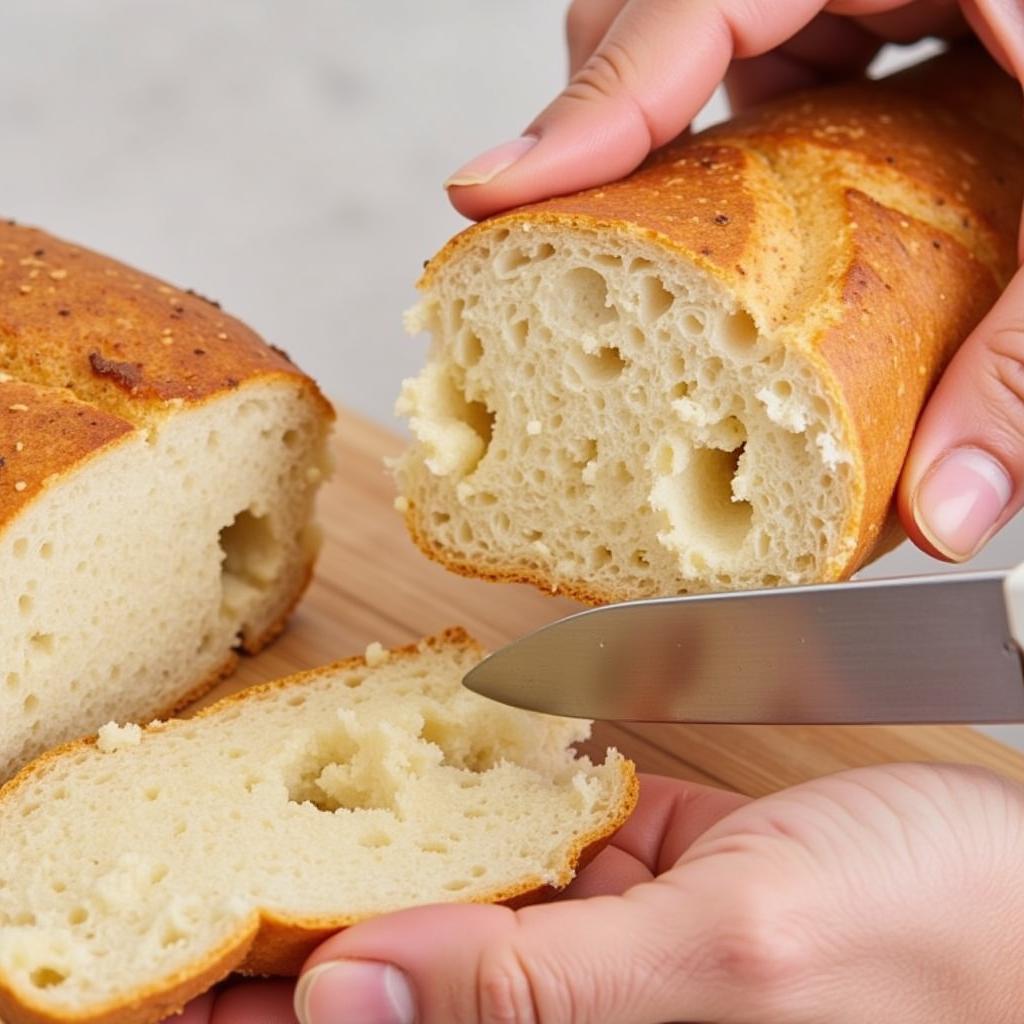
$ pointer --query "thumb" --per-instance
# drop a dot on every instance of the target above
(963, 477)
(655, 68)
(607, 958)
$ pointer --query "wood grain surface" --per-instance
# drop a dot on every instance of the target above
(372, 584)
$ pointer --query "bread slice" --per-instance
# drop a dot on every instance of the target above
(138, 869)
(158, 465)
(706, 376)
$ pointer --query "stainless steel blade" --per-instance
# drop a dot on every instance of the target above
(919, 649)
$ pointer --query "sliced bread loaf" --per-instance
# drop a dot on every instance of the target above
(158, 465)
(706, 376)
(138, 869)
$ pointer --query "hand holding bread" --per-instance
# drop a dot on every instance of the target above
(706, 376)
(641, 70)
(863, 896)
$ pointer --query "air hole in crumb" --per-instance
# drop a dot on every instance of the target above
(694, 323)
(582, 450)
(172, 935)
(458, 885)
(251, 558)
(375, 840)
(25, 603)
(710, 371)
(31, 702)
(78, 915)
(468, 349)
(454, 405)
(478, 871)
(517, 332)
(738, 333)
(46, 551)
(159, 873)
(600, 556)
(433, 846)
(621, 475)
(586, 297)
(290, 439)
(704, 504)
(152, 793)
(42, 642)
(20, 547)
(655, 299)
(510, 260)
(599, 367)
(679, 390)
(638, 263)
(47, 977)
(638, 559)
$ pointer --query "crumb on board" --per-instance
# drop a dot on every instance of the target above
(112, 737)
(376, 655)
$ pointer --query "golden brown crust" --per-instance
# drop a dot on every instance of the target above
(270, 942)
(116, 337)
(910, 295)
(43, 432)
(864, 225)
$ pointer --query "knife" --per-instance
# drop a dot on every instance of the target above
(942, 648)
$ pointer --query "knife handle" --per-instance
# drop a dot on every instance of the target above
(1013, 589)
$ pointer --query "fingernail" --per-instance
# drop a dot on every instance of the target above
(354, 992)
(488, 165)
(960, 500)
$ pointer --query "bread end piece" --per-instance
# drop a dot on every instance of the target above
(706, 376)
(158, 469)
(256, 829)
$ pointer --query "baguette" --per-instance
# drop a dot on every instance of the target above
(706, 376)
(139, 869)
(158, 464)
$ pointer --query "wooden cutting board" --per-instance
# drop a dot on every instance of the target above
(373, 584)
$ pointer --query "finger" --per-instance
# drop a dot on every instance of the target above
(256, 1002)
(963, 476)
(587, 961)
(612, 872)
(900, 22)
(828, 48)
(631, 96)
(586, 23)
(1000, 25)
(670, 816)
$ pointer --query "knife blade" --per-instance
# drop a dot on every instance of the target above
(941, 648)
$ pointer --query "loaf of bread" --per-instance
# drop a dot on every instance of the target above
(158, 464)
(706, 376)
(137, 870)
